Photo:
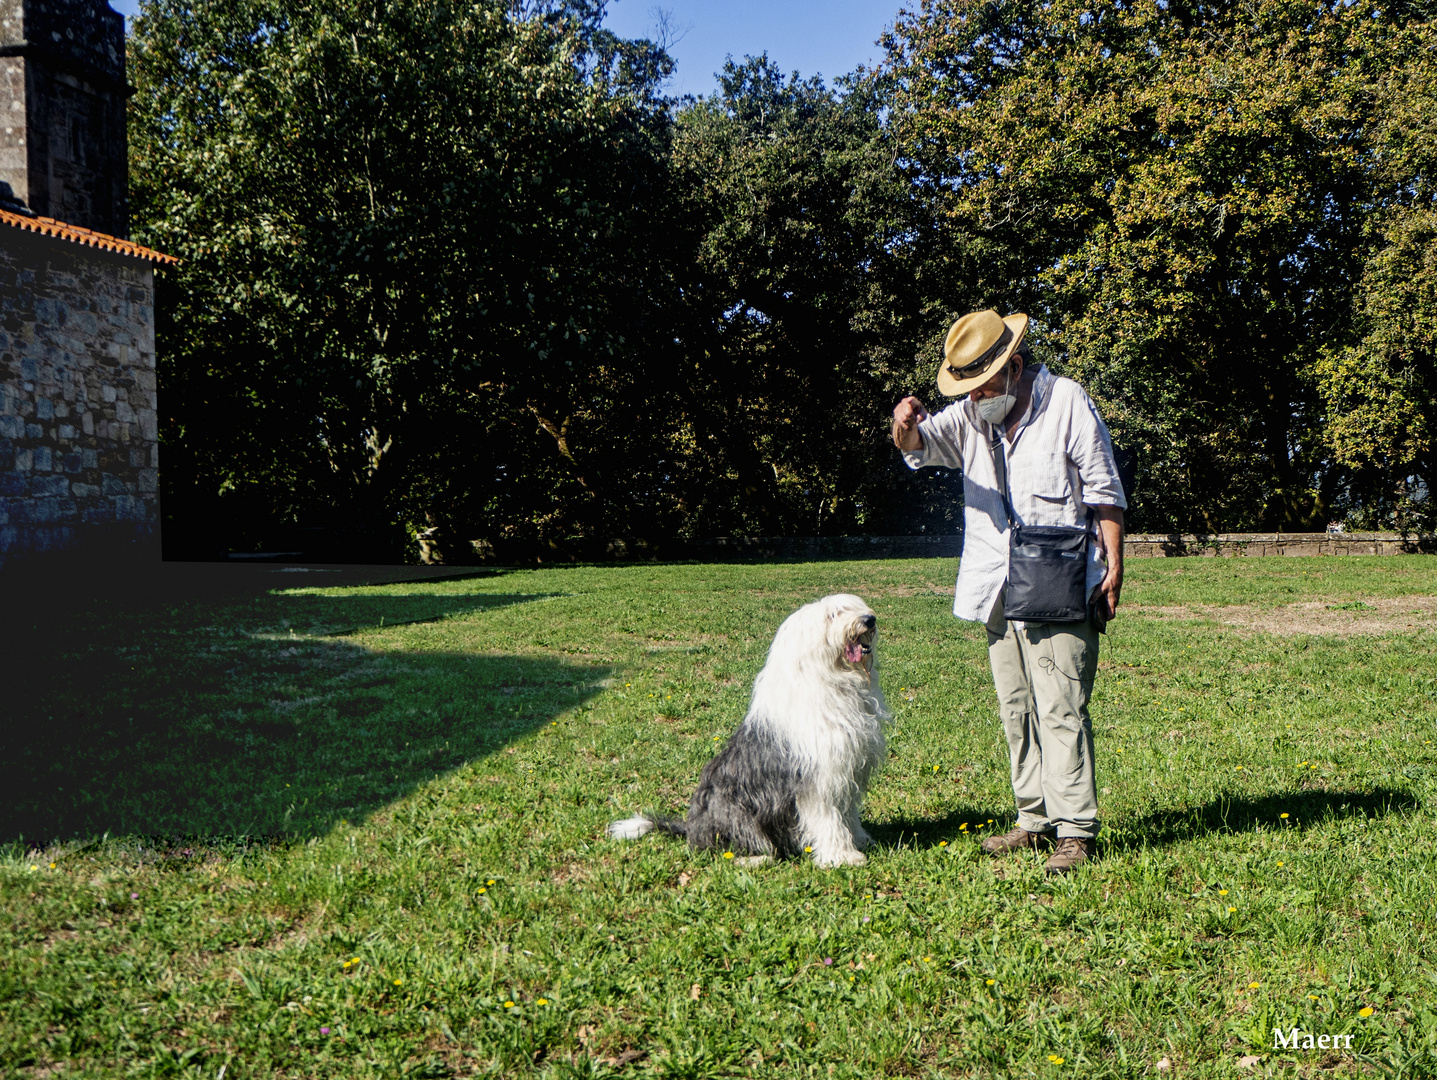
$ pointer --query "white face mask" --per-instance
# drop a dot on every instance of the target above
(993, 409)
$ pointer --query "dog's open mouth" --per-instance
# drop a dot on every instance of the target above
(856, 650)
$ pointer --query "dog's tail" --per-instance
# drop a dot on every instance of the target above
(641, 825)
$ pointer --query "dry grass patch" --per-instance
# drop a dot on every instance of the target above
(1393, 615)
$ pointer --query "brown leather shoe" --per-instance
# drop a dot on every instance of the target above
(1020, 839)
(1072, 852)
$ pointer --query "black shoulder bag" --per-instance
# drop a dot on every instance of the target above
(1047, 564)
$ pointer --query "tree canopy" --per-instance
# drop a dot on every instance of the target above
(464, 267)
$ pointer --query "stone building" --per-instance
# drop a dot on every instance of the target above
(63, 148)
(79, 447)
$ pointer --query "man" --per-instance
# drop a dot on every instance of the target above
(1058, 457)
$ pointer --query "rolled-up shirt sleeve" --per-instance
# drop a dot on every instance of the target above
(942, 440)
(1091, 450)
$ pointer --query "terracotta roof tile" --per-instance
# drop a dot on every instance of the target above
(88, 237)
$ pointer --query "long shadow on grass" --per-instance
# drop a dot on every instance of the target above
(245, 718)
(925, 832)
(1304, 809)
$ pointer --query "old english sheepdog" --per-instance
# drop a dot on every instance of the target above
(793, 775)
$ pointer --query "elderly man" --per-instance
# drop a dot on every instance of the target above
(1045, 434)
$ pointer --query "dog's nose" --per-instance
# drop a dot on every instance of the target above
(869, 622)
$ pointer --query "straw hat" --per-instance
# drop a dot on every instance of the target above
(978, 344)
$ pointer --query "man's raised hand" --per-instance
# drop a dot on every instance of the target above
(906, 415)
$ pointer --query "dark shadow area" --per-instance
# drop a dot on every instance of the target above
(1304, 808)
(237, 714)
(926, 832)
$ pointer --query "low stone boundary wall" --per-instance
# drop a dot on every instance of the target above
(1231, 545)
(834, 548)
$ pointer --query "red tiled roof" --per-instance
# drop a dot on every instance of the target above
(50, 227)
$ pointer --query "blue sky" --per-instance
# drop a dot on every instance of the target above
(828, 37)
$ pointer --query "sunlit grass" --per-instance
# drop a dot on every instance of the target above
(382, 853)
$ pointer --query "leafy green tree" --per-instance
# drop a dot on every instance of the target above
(411, 236)
(1379, 383)
(798, 309)
(1178, 191)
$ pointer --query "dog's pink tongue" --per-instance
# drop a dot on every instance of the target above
(853, 651)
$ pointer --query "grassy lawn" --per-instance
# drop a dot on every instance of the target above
(360, 832)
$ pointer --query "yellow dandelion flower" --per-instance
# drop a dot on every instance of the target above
(508, 1004)
(942, 843)
(1222, 892)
(935, 768)
(1055, 1059)
(543, 1001)
(398, 982)
(1279, 864)
(1300, 764)
(1282, 815)
(1311, 997)
(489, 882)
(728, 854)
(482, 890)
(1365, 1011)
(34, 868)
(52, 866)
(716, 738)
(963, 827)
(355, 960)
(1253, 985)
(990, 982)
(1231, 910)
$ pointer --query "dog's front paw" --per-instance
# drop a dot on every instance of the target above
(861, 840)
(828, 860)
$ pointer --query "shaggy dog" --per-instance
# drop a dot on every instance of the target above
(793, 775)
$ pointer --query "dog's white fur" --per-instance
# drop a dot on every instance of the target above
(818, 699)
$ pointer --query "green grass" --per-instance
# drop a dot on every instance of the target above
(274, 815)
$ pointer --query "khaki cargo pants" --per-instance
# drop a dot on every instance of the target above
(1043, 673)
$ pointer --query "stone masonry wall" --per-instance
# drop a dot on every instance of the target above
(79, 449)
(62, 95)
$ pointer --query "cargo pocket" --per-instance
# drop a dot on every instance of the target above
(1068, 654)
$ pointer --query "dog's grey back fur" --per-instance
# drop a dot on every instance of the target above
(746, 801)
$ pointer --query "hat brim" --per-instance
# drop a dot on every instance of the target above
(950, 386)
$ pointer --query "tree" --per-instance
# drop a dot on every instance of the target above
(1178, 192)
(798, 309)
(1379, 383)
(410, 235)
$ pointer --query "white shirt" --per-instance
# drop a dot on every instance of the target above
(1060, 463)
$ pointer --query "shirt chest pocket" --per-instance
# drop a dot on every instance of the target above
(1044, 489)
(1044, 476)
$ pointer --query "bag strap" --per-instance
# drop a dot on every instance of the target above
(1000, 467)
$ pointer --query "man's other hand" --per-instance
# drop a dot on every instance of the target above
(906, 415)
(1110, 531)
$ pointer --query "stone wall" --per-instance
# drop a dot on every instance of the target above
(832, 548)
(62, 96)
(1236, 545)
(79, 449)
